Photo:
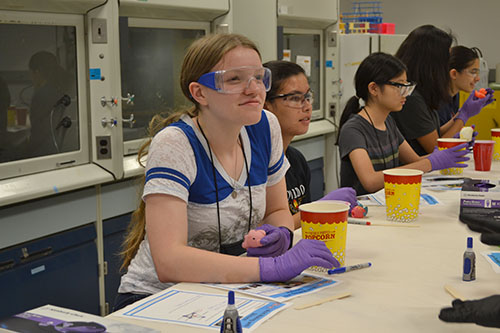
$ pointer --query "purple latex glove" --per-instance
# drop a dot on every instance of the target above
(306, 253)
(343, 194)
(448, 158)
(473, 105)
(275, 242)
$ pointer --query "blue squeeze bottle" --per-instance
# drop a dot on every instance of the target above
(469, 273)
(231, 321)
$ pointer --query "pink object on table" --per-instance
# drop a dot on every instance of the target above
(358, 212)
(252, 239)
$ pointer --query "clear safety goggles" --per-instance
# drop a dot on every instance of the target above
(473, 73)
(295, 100)
(405, 89)
(236, 80)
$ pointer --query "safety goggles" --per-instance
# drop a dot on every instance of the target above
(473, 73)
(236, 80)
(295, 100)
(405, 89)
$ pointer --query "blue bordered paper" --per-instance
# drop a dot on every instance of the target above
(200, 309)
(494, 259)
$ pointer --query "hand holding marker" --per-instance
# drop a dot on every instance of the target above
(349, 268)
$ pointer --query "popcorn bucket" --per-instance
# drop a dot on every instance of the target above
(445, 143)
(402, 194)
(326, 220)
(495, 136)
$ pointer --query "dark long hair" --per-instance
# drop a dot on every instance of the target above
(281, 70)
(462, 57)
(378, 67)
(426, 53)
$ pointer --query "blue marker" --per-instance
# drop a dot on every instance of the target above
(349, 268)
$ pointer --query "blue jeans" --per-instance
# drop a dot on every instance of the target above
(122, 300)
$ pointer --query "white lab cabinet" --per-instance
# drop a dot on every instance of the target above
(353, 48)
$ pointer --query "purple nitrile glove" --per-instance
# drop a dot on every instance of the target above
(473, 140)
(448, 158)
(490, 92)
(275, 242)
(306, 253)
(473, 106)
(347, 194)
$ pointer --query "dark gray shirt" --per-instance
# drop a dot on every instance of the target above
(382, 148)
(298, 180)
(416, 120)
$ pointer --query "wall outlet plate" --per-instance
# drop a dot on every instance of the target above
(103, 147)
(99, 31)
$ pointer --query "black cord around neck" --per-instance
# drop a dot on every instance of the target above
(378, 141)
(215, 183)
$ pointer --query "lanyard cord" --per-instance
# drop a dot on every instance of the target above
(215, 183)
(378, 142)
(249, 186)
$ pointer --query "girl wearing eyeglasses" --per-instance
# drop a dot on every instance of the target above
(213, 173)
(464, 74)
(426, 54)
(369, 140)
(290, 99)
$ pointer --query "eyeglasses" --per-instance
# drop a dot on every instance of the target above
(295, 100)
(474, 73)
(236, 80)
(405, 89)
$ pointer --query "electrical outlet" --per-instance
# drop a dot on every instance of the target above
(99, 31)
(103, 146)
(332, 38)
(333, 109)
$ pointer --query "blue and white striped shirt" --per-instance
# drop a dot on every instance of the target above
(179, 164)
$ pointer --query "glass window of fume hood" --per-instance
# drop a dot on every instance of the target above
(38, 90)
(151, 60)
(308, 45)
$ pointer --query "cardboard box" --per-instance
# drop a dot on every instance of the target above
(480, 198)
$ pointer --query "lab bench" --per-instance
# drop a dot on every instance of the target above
(64, 249)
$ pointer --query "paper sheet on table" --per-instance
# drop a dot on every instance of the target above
(442, 183)
(378, 199)
(494, 259)
(281, 291)
(200, 309)
(50, 318)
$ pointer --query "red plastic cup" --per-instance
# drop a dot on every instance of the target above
(483, 154)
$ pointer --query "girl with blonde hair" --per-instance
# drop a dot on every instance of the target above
(212, 174)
